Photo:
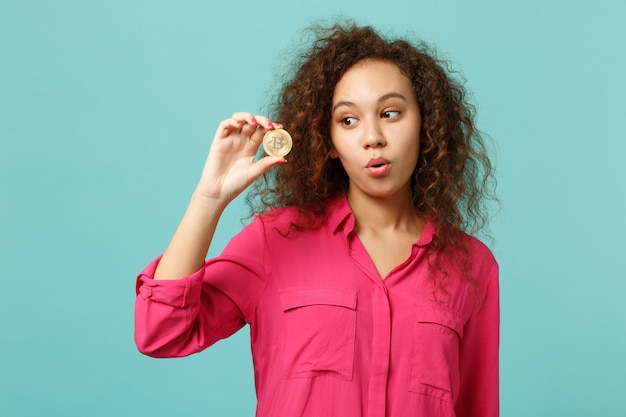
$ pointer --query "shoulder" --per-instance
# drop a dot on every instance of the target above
(479, 250)
(292, 220)
(279, 216)
(482, 261)
(278, 221)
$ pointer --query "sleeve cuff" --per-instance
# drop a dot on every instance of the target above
(181, 292)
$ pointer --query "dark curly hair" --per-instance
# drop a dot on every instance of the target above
(452, 178)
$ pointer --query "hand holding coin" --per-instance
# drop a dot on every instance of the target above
(231, 165)
(277, 142)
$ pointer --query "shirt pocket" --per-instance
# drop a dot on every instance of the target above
(435, 360)
(320, 330)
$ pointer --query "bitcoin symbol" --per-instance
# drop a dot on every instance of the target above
(277, 142)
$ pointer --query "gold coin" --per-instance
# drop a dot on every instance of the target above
(277, 142)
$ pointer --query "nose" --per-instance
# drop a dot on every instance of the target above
(373, 136)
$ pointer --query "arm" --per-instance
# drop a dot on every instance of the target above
(178, 308)
(228, 170)
(180, 317)
(479, 363)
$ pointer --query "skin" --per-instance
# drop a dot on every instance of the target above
(376, 115)
(228, 170)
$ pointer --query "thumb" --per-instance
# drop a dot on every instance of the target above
(263, 165)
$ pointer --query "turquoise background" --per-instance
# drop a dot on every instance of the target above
(107, 110)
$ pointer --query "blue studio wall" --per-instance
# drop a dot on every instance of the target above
(107, 110)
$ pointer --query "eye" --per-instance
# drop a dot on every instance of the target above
(390, 114)
(348, 121)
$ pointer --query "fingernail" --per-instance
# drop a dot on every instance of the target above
(253, 121)
(239, 122)
(271, 125)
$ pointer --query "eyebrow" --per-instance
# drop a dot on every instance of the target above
(380, 100)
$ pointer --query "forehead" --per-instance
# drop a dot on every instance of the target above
(372, 78)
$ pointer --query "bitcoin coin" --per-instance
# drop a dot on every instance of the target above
(277, 142)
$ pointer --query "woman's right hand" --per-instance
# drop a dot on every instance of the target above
(228, 170)
(230, 165)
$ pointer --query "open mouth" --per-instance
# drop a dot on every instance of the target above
(378, 167)
(377, 162)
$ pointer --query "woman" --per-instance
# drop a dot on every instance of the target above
(364, 294)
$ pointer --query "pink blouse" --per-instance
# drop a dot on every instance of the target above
(329, 336)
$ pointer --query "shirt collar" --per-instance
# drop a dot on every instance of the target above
(341, 218)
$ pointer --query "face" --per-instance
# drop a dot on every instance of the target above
(375, 129)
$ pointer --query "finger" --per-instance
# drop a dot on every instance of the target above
(246, 118)
(242, 122)
(247, 124)
(255, 120)
(263, 122)
(264, 125)
(263, 165)
(267, 123)
(228, 126)
(248, 129)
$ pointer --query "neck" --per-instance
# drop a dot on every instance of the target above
(384, 214)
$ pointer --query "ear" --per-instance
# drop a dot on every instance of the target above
(333, 153)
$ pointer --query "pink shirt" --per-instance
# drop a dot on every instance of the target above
(329, 336)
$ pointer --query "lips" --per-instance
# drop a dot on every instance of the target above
(377, 167)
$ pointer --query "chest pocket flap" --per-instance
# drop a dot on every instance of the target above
(442, 316)
(435, 361)
(303, 297)
(319, 336)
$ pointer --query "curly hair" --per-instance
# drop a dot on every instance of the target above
(453, 175)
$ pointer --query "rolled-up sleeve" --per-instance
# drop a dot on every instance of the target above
(163, 313)
(175, 293)
(175, 318)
